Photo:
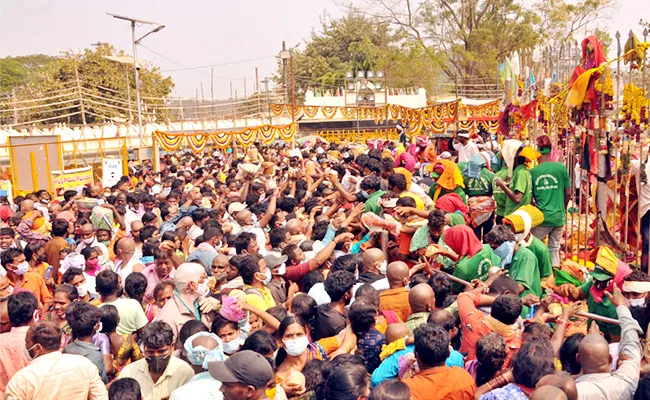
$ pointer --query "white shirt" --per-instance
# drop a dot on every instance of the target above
(318, 293)
(194, 232)
(466, 152)
(129, 218)
(622, 383)
(95, 243)
(126, 270)
(200, 387)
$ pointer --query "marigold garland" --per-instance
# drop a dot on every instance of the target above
(197, 142)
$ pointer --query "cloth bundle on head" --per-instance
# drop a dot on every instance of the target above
(450, 177)
(523, 220)
(529, 154)
(451, 203)
(200, 355)
(462, 240)
(230, 310)
(102, 218)
(636, 287)
(509, 152)
(406, 160)
(72, 260)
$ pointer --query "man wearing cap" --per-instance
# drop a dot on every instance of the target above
(465, 147)
(233, 209)
(551, 190)
(245, 375)
(608, 273)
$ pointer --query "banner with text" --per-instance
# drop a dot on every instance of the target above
(72, 179)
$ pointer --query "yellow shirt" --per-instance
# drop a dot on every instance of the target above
(263, 302)
(177, 374)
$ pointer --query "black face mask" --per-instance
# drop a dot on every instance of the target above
(158, 364)
(435, 239)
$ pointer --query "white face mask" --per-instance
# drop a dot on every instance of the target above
(203, 290)
(22, 268)
(231, 347)
(282, 269)
(89, 241)
(636, 302)
(296, 347)
(82, 291)
(383, 267)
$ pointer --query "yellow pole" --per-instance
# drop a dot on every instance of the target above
(125, 159)
(47, 169)
(32, 162)
(12, 168)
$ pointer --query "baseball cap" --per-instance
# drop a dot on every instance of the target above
(246, 367)
(273, 261)
(236, 207)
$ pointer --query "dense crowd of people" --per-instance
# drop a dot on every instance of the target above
(325, 271)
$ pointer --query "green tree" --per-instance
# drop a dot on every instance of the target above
(17, 71)
(102, 87)
(357, 43)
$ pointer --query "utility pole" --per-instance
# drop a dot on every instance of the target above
(13, 102)
(268, 100)
(81, 101)
(158, 28)
(284, 74)
(212, 91)
(202, 101)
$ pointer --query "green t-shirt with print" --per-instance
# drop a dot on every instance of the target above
(498, 193)
(524, 270)
(550, 179)
(371, 203)
(521, 182)
(475, 267)
(481, 186)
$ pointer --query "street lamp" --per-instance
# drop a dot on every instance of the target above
(158, 28)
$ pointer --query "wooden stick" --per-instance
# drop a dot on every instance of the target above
(597, 317)
(588, 315)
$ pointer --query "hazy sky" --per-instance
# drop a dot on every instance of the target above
(197, 33)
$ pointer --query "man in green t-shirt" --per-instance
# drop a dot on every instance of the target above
(520, 262)
(499, 195)
(475, 267)
(519, 191)
(551, 190)
(597, 302)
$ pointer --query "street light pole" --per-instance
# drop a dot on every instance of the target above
(158, 28)
(137, 82)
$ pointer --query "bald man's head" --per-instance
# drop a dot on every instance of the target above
(372, 260)
(5, 323)
(294, 226)
(244, 217)
(26, 205)
(398, 274)
(421, 298)
(563, 381)
(185, 223)
(396, 331)
(593, 354)
(548, 393)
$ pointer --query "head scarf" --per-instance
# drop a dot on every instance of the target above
(450, 177)
(199, 355)
(523, 220)
(476, 164)
(451, 203)
(462, 240)
(407, 159)
(430, 153)
(509, 152)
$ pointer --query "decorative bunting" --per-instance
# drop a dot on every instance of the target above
(197, 142)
